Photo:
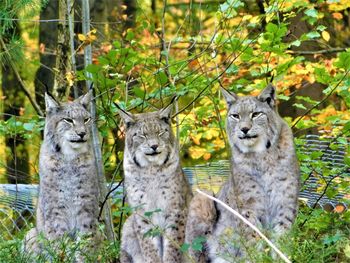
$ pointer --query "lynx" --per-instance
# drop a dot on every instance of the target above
(264, 182)
(68, 196)
(154, 181)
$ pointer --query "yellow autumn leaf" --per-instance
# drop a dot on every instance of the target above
(196, 152)
(210, 134)
(81, 37)
(70, 77)
(206, 156)
(326, 36)
(196, 138)
(219, 144)
(92, 38)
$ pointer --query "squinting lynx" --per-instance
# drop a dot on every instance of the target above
(153, 180)
(68, 196)
(264, 184)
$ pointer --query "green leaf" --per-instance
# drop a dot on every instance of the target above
(342, 140)
(312, 35)
(283, 97)
(233, 69)
(296, 43)
(150, 213)
(184, 247)
(139, 92)
(198, 243)
(311, 13)
(321, 28)
(92, 68)
(29, 126)
(299, 106)
(162, 78)
(129, 35)
(343, 60)
(322, 75)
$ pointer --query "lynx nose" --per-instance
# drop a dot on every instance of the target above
(82, 134)
(245, 130)
(154, 147)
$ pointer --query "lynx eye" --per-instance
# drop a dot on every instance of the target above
(235, 116)
(68, 120)
(162, 132)
(256, 114)
(87, 120)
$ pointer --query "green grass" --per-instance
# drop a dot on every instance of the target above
(317, 236)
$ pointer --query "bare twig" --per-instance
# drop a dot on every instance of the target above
(107, 196)
(322, 51)
(284, 257)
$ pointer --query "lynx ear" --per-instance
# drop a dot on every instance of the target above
(230, 97)
(50, 102)
(165, 114)
(268, 95)
(85, 100)
(127, 117)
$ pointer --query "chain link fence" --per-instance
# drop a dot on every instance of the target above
(322, 170)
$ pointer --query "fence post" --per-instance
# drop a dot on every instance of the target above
(106, 213)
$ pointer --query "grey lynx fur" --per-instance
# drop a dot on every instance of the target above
(153, 180)
(68, 192)
(264, 182)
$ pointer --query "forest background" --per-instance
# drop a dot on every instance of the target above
(145, 52)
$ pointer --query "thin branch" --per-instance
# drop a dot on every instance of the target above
(18, 76)
(107, 196)
(234, 212)
(322, 51)
(323, 100)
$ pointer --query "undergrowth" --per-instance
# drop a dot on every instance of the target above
(317, 236)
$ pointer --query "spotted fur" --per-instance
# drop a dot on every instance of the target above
(68, 196)
(153, 180)
(264, 182)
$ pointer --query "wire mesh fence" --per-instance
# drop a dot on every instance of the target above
(323, 173)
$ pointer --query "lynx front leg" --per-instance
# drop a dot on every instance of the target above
(149, 246)
(130, 247)
(174, 238)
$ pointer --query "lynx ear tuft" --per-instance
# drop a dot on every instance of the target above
(165, 114)
(126, 116)
(85, 100)
(268, 95)
(50, 102)
(229, 96)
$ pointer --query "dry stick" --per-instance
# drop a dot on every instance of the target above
(285, 259)
(95, 138)
(23, 86)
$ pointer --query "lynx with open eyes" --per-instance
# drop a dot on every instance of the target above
(68, 196)
(264, 181)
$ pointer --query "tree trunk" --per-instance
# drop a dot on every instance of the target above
(61, 88)
(17, 166)
(47, 45)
